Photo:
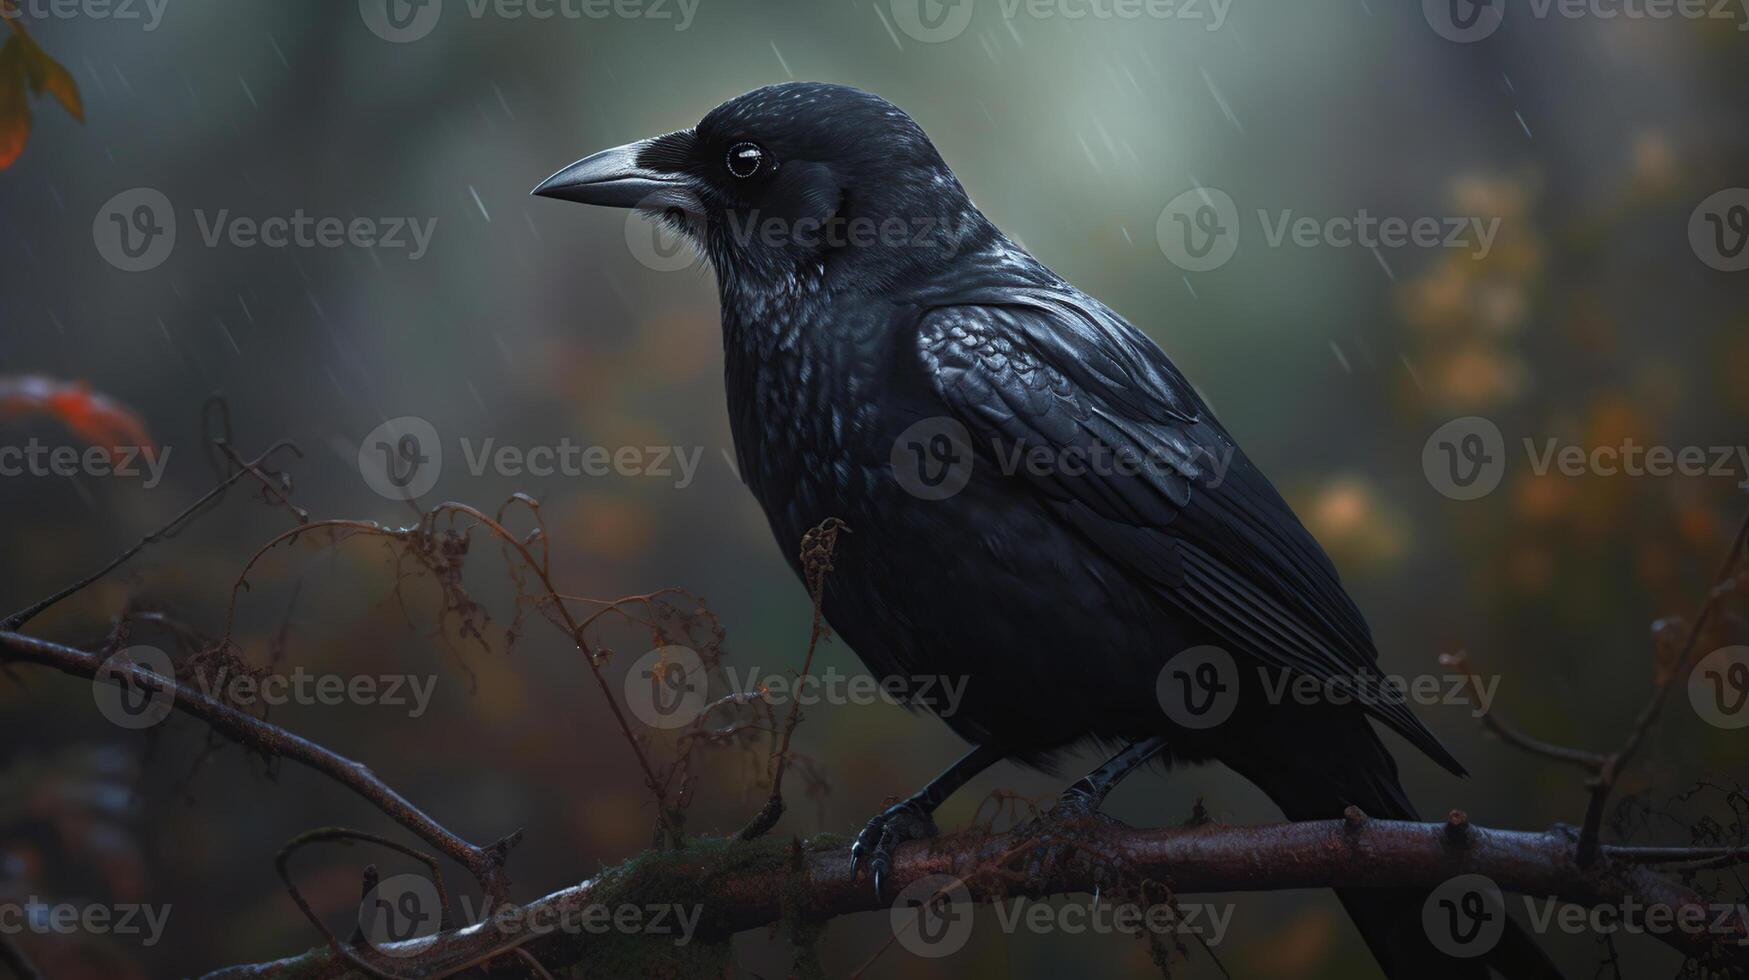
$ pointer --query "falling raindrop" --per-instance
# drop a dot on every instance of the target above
(1226, 109)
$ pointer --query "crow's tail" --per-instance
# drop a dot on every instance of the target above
(1318, 778)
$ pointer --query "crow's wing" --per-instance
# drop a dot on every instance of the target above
(1054, 375)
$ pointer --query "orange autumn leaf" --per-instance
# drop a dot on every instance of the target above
(58, 82)
(14, 106)
(26, 66)
(94, 417)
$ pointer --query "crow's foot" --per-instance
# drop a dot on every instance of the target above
(1069, 831)
(890, 828)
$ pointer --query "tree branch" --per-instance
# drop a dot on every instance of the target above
(747, 885)
(485, 863)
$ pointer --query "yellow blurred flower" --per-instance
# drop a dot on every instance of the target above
(1358, 527)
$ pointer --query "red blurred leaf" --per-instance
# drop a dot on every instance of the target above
(92, 416)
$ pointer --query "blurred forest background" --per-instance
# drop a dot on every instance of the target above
(1591, 320)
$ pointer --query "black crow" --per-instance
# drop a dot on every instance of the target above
(1041, 504)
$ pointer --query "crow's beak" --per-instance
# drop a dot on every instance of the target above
(615, 179)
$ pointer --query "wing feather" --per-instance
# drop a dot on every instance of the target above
(1054, 371)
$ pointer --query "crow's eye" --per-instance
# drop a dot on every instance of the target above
(745, 159)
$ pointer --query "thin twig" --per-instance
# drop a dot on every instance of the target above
(25, 615)
(818, 547)
(539, 566)
(1613, 767)
(324, 834)
(14, 959)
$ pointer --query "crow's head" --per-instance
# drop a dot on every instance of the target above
(799, 177)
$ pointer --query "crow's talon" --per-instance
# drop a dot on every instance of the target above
(891, 827)
(1075, 818)
(1074, 804)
